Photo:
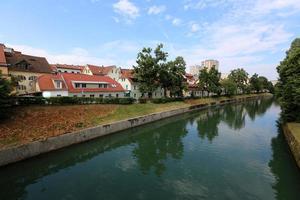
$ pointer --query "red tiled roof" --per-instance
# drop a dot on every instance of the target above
(69, 78)
(100, 70)
(128, 73)
(65, 66)
(46, 82)
(2, 55)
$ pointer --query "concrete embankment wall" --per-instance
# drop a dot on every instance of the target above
(35, 148)
(292, 135)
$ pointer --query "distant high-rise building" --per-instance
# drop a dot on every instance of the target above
(206, 63)
(210, 63)
(194, 70)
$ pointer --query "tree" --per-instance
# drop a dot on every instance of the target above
(240, 77)
(214, 85)
(209, 80)
(203, 80)
(5, 87)
(254, 83)
(176, 76)
(288, 87)
(148, 68)
(229, 87)
(270, 87)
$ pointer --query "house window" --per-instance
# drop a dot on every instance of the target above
(134, 95)
(101, 95)
(126, 87)
(112, 71)
(32, 78)
(77, 85)
(109, 95)
(58, 84)
(21, 87)
(59, 95)
(105, 85)
(92, 95)
(154, 93)
(66, 71)
(83, 85)
(72, 72)
(21, 78)
(78, 72)
(117, 95)
(100, 85)
(59, 70)
(83, 95)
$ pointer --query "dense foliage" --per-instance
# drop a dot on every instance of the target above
(240, 77)
(153, 71)
(288, 87)
(6, 87)
(229, 87)
(209, 81)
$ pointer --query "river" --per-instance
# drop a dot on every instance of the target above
(235, 151)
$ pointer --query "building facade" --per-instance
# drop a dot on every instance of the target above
(79, 85)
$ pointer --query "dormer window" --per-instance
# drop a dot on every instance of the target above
(58, 84)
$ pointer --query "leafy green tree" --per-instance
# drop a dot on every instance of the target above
(229, 87)
(240, 77)
(203, 80)
(254, 83)
(176, 76)
(288, 88)
(149, 65)
(209, 80)
(270, 87)
(5, 87)
(214, 85)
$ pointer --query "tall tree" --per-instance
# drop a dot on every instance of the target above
(228, 86)
(254, 83)
(176, 76)
(240, 77)
(148, 68)
(288, 87)
(209, 80)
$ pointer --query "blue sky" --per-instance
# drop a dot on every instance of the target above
(251, 34)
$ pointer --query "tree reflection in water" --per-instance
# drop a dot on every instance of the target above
(233, 115)
(153, 149)
(287, 181)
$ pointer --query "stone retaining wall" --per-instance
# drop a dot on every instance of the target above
(35, 148)
(293, 141)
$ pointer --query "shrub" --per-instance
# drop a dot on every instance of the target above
(142, 100)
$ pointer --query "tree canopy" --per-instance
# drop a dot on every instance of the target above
(288, 87)
(240, 77)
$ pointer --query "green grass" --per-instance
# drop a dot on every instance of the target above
(135, 110)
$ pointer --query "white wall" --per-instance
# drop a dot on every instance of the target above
(48, 94)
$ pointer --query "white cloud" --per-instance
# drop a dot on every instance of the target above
(127, 9)
(176, 22)
(195, 27)
(154, 10)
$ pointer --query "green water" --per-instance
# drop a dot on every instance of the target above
(232, 152)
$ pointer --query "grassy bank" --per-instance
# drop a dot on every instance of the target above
(33, 123)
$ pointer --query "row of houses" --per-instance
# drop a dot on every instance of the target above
(36, 76)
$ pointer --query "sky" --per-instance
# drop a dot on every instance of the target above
(239, 33)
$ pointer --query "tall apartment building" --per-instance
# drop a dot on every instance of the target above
(206, 63)
(209, 64)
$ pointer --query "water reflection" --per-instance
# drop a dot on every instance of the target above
(287, 181)
(151, 146)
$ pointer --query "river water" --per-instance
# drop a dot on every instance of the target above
(231, 152)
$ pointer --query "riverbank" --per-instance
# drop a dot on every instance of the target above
(115, 119)
(292, 134)
(33, 123)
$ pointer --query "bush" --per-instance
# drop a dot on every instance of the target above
(142, 100)
(166, 100)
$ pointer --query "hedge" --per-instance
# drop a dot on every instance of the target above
(167, 100)
(68, 100)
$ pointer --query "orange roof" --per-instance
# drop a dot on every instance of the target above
(69, 79)
(100, 70)
(2, 55)
(46, 82)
